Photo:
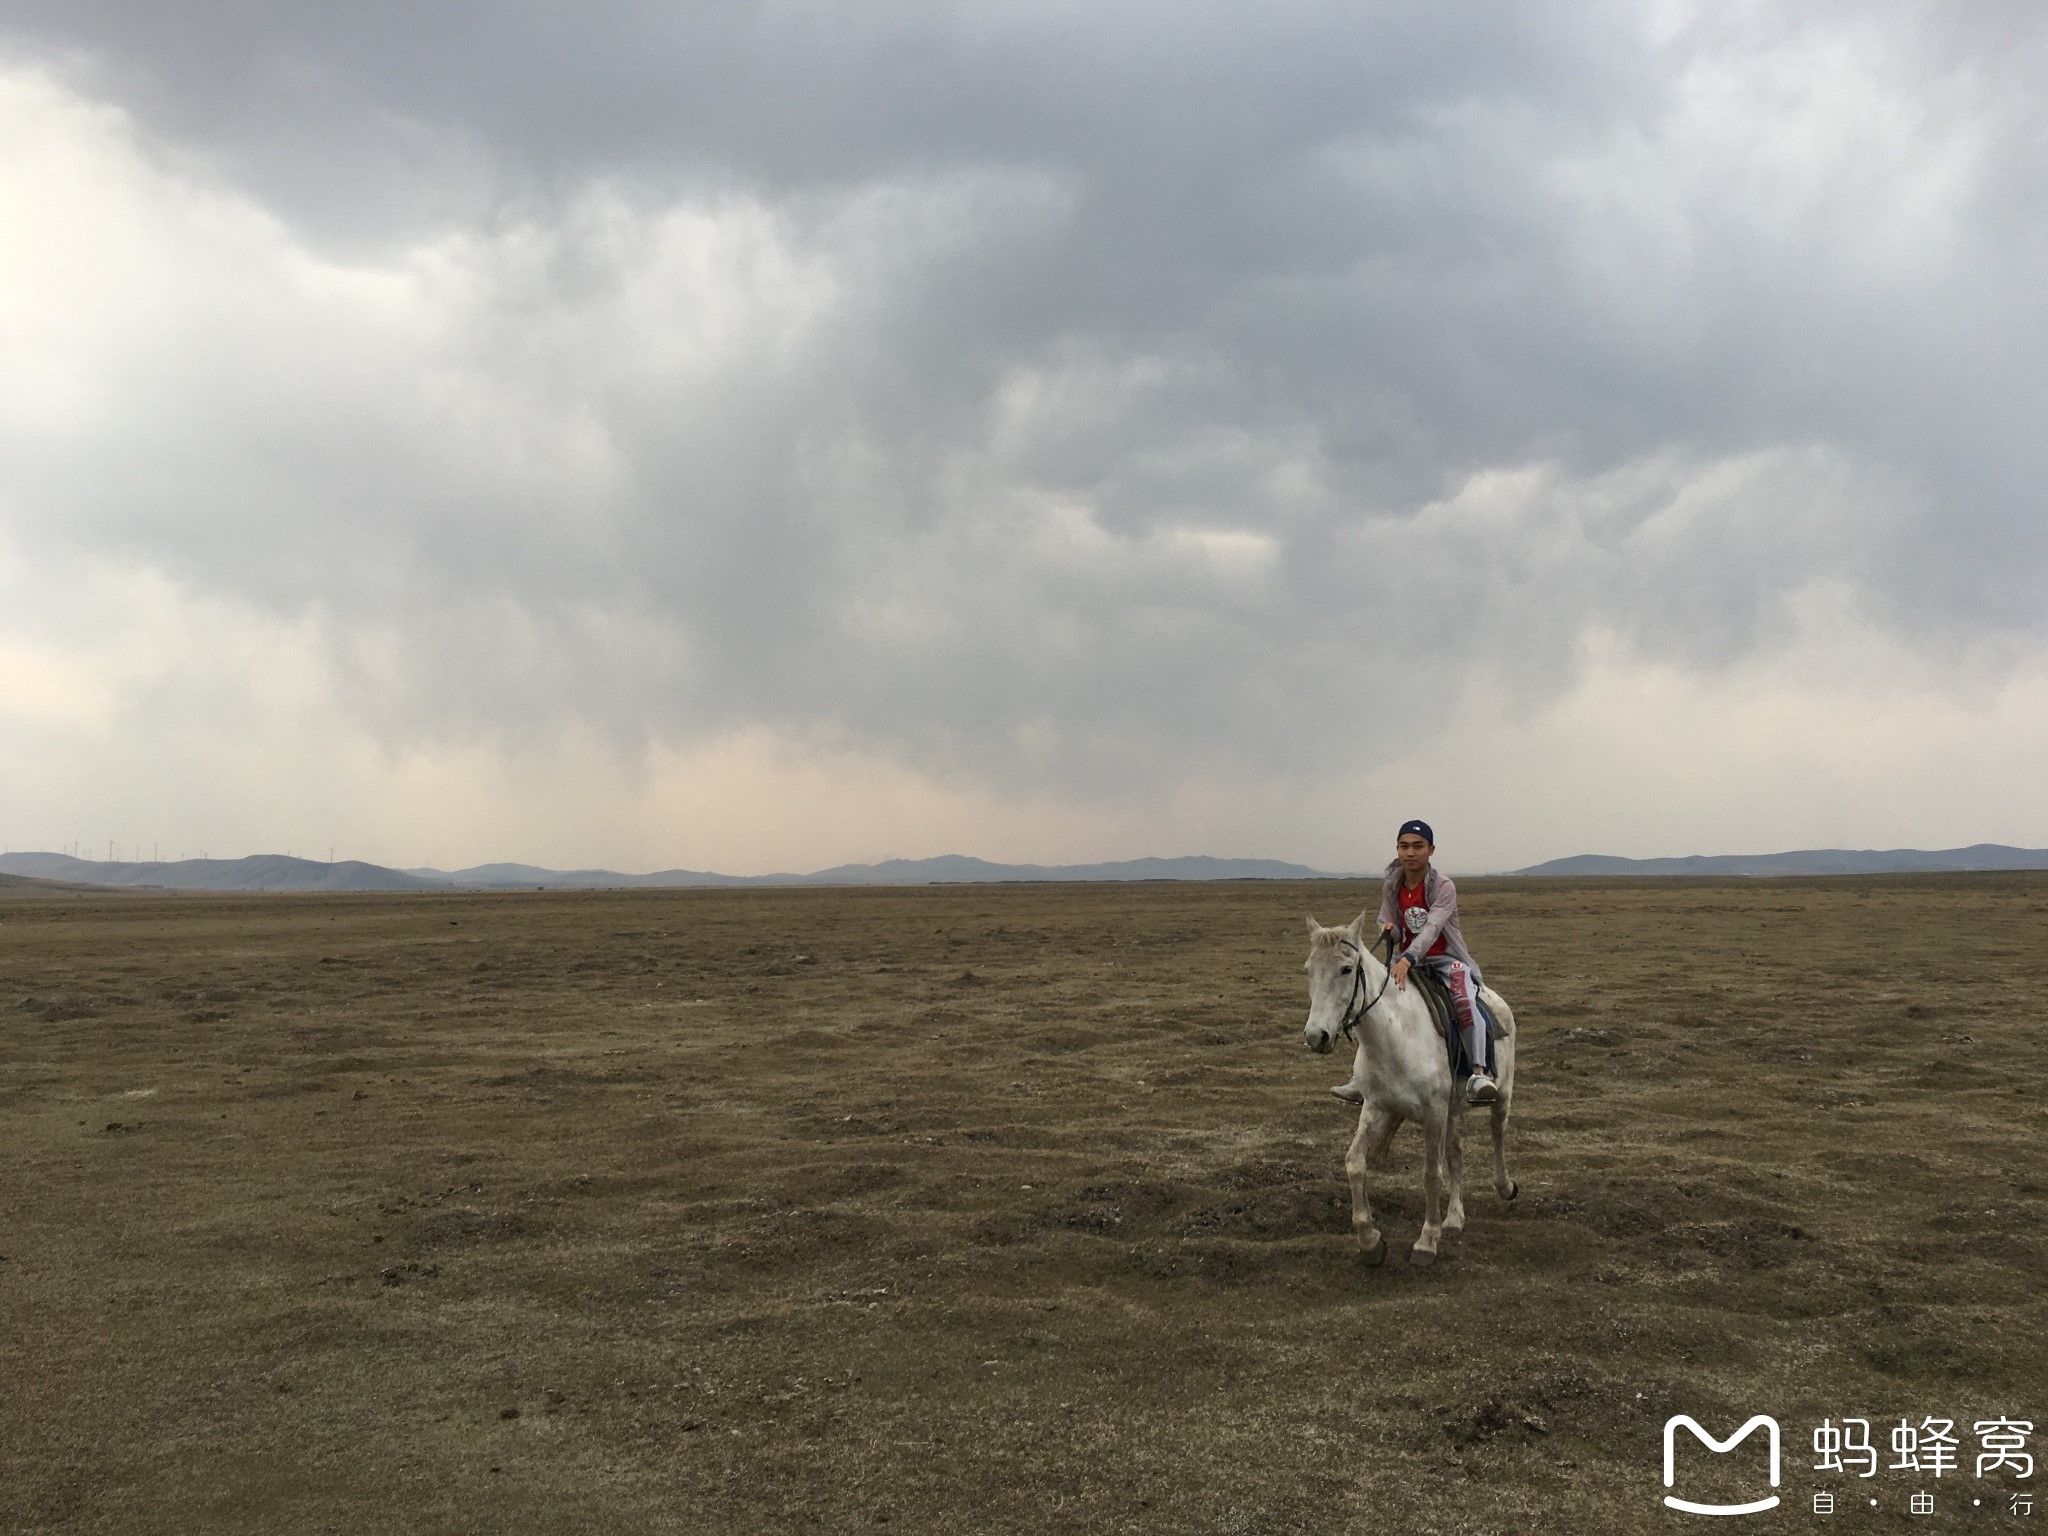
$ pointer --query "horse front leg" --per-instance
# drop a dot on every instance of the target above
(1424, 1251)
(1375, 1125)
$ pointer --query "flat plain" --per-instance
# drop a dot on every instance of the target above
(992, 1208)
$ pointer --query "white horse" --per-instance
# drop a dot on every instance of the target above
(1407, 1077)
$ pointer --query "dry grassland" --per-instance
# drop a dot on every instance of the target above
(985, 1209)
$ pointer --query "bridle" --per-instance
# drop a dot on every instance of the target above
(1353, 1012)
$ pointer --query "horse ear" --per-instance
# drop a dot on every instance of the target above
(1357, 929)
(1314, 927)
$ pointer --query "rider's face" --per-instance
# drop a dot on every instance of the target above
(1413, 852)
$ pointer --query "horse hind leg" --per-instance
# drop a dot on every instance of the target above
(1503, 1186)
(1424, 1251)
(1379, 1139)
(1454, 1160)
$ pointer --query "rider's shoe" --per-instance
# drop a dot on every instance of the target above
(1481, 1089)
(1350, 1093)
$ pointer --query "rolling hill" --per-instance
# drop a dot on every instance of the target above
(257, 872)
(1809, 861)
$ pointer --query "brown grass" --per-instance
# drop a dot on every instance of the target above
(985, 1208)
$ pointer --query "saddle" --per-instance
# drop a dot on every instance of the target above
(1445, 1012)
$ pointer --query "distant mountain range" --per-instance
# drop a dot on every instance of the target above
(1810, 861)
(279, 872)
(945, 868)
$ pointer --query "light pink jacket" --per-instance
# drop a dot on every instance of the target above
(1442, 896)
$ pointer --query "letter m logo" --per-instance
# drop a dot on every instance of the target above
(1770, 1426)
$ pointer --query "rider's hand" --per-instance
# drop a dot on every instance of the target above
(1386, 928)
(1401, 972)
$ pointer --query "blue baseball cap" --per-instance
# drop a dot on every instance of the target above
(1420, 829)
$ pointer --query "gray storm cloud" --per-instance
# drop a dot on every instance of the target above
(1038, 392)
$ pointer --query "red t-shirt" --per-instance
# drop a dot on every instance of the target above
(1415, 916)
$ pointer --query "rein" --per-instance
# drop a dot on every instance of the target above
(1353, 1013)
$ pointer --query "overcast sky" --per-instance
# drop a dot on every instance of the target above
(754, 437)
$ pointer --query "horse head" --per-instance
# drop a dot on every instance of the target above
(1334, 957)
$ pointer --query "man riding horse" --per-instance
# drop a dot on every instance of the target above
(1420, 907)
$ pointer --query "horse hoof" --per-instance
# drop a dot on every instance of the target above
(1514, 1189)
(1376, 1255)
(1422, 1258)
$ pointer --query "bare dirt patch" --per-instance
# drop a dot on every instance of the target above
(981, 1209)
